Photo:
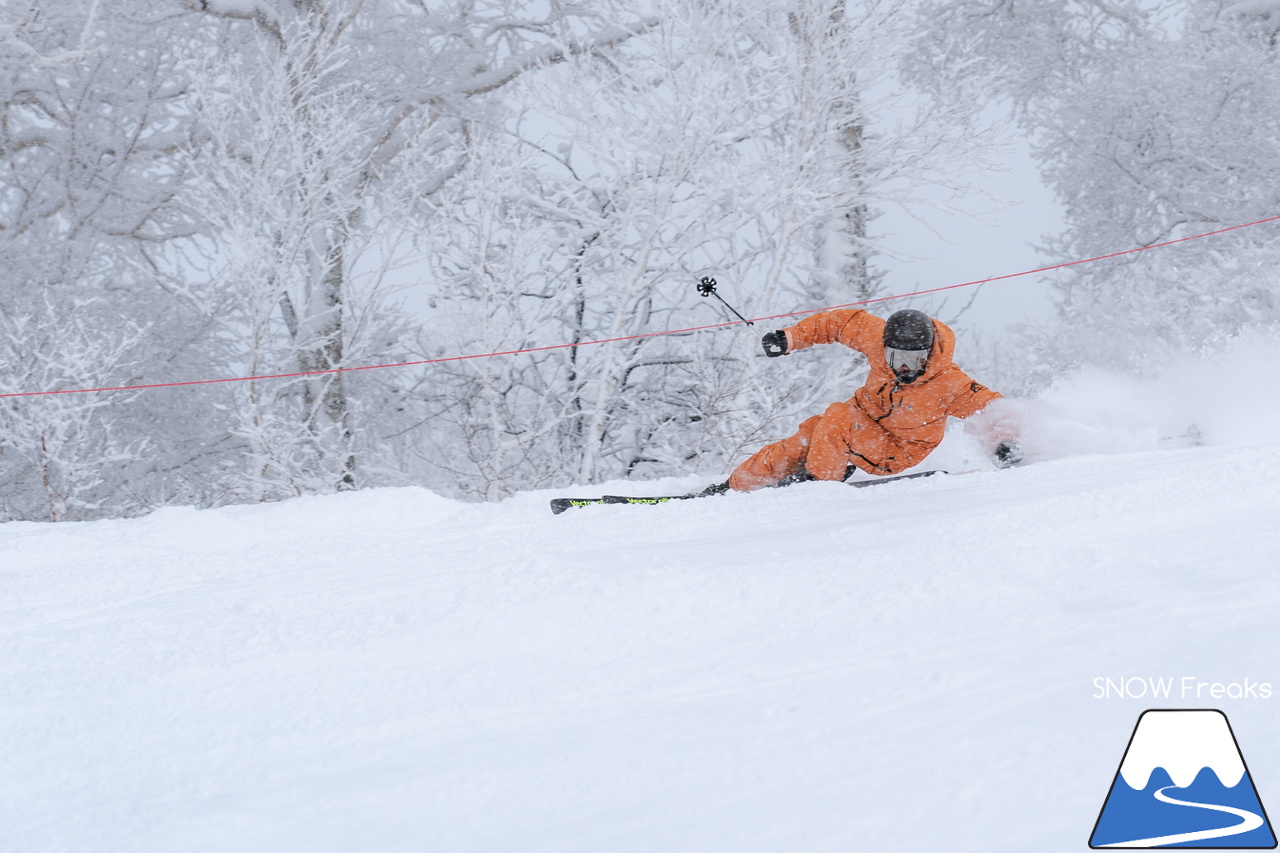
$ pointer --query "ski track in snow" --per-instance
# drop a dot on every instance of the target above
(903, 668)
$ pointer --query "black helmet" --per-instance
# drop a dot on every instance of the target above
(908, 338)
(908, 329)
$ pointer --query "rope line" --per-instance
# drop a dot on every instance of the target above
(690, 330)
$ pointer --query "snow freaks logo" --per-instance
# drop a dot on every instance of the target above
(1183, 783)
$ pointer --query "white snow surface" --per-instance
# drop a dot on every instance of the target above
(903, 668)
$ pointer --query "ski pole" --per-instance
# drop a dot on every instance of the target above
(707, 287)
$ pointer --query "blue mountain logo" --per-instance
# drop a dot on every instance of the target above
(1183, 783)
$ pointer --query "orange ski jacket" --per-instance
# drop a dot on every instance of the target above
(911, 419)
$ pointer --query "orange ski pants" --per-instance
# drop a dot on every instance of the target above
(825, 444)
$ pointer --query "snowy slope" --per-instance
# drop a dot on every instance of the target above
(904, 668)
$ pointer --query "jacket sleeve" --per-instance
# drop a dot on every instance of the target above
(972, 399)
(852, 327)
(991, 424)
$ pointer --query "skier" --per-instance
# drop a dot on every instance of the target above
(892, 422)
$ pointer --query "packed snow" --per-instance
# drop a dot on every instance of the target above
(909, 667)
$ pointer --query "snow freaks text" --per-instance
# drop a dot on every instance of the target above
(1185, 687)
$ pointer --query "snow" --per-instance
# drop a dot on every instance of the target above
(1262, 8)
(903, 668)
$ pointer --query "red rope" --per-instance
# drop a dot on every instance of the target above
(640, 336)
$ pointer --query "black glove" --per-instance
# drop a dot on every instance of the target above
(774, 343)
(1007, 454)
(712, 490)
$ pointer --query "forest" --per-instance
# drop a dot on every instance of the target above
(260, 203)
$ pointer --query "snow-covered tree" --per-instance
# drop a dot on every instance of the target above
(328, 124)
(29, 23)
(730, 140)
(1152, 122)
(64, 455)
(220, 189)
(91, 117)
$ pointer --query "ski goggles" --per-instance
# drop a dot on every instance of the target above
(908, 364)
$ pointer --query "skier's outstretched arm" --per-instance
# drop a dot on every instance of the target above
(852, 327)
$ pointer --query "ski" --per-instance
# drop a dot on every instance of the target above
(656, 499)
(559, 505)
(880, 481)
